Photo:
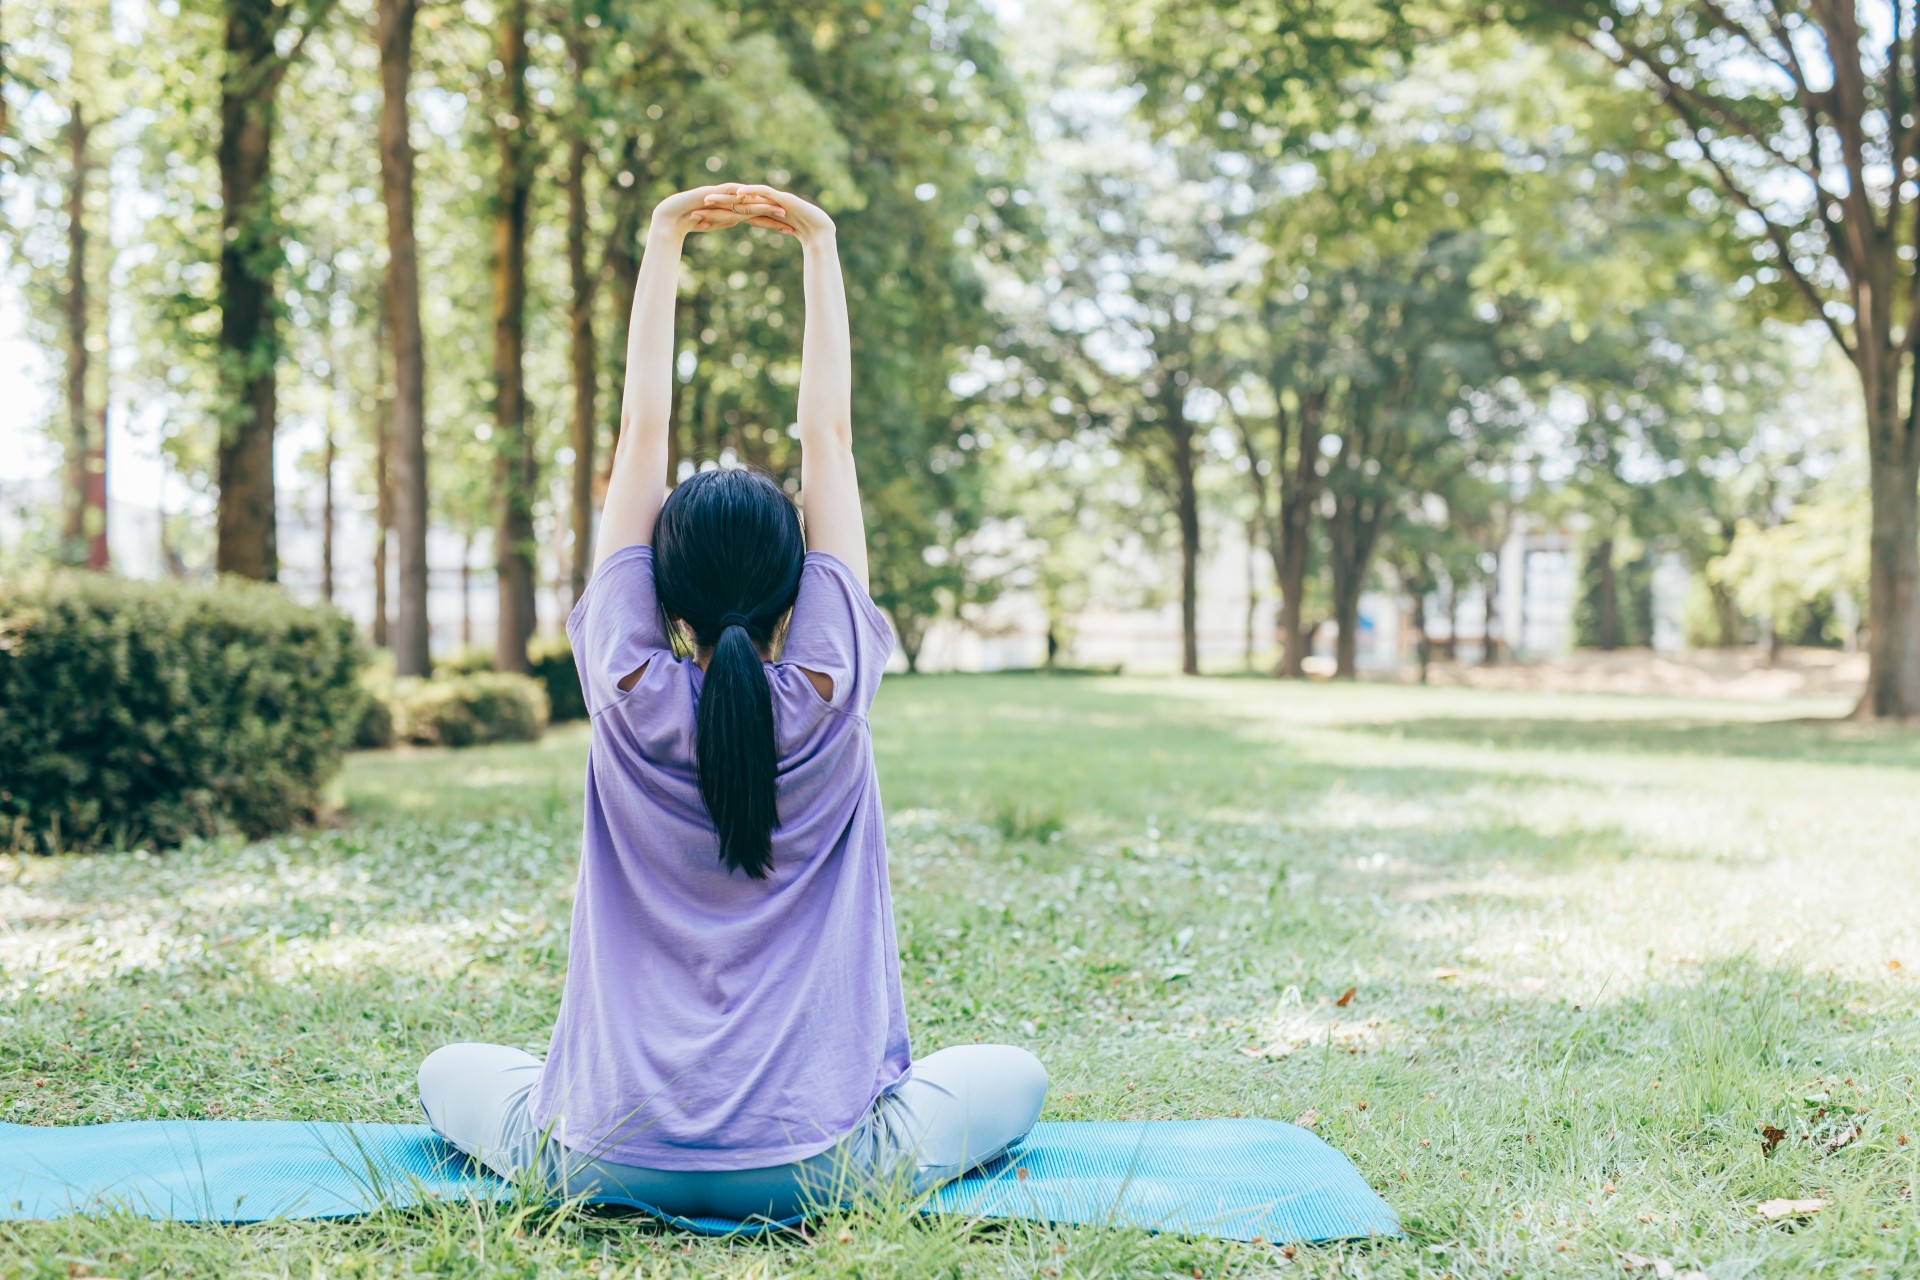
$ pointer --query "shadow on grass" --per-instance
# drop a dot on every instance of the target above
(1846, 742)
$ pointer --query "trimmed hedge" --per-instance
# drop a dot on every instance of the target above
(466, 711)
(142, 713)
(550, 661)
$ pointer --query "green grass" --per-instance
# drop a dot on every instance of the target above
(1596, 945)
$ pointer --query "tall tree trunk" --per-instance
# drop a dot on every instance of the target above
(1301, 483)
(328, 450)
(623, 277)
(1355, 533)
(1893, 567)
(466, 592)
(513, 459)
(1609, 602)
(1253, 589)
(84, 526)
(382, 516)
(580, 317)
(407, 442)
(250, 250)
(1491, 615)
(1187, 504)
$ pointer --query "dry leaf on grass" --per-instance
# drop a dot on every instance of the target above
(1444, 975)
(1661, 1268)
(1307, 1119)
(1775, 1210)
(1771, 1137)
(1843, 1137)
(1346, 998)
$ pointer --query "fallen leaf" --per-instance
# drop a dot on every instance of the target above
(1774, 1210)
(1307, 1119)
(1771, 1137)
(1346, 998)
(1660, 1267)
(1443, 975)
(1893, 964)
(1842, 1138)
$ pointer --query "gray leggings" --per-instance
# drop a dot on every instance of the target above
(961, 1108)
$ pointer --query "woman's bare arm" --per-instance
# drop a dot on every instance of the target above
(829, 488)
(638, 482)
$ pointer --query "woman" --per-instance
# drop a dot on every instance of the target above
(731, 1040)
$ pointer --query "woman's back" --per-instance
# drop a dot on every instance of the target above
(711, 1019)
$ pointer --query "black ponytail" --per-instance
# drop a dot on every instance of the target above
(727, 557)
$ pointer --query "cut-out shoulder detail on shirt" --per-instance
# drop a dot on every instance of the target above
(632, 677)
(821, 682)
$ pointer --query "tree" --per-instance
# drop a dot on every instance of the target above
(405, 438)
(84, 531)
(582, 288)
(515, 467)
(1807, 121)
(250, 252)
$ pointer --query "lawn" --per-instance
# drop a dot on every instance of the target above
(1596, 946)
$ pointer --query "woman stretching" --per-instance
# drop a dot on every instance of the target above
(732, 1041)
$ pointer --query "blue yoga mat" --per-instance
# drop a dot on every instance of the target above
(1237, 1179)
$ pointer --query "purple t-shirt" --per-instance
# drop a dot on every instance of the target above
(710, 1020)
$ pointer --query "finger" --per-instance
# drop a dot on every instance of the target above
(772, 224)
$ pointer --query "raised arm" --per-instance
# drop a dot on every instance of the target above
(638, 482)
(829, 489)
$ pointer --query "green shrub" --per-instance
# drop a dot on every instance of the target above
(465, 711)
(551, 658)
(141, 713)
(468, 660)
(373, 721)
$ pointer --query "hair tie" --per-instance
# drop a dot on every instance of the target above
(735, 620)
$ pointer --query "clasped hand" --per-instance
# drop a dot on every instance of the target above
(729, 204)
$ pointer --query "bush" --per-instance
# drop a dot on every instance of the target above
(469, 660)
(549, 660)
(552, 662)
(373, 721)
(466, 711)
(141, 713)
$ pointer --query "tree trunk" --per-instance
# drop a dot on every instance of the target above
(1355, 532)
(1490, 592)
(84, 524)
(407, 438)
(1187, 501)
(1893, 568)
(513, 459)
(580, 316)
(1299, 496)
(328, 448)
(623, 277)
(1253, 590)
(245, 529)
(1422, 642)
(382, 516)
(466, 593)
(1609, 602)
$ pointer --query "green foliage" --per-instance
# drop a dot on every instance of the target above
(143, 713)
(1796, 573)
(469, 710)
(551, 663)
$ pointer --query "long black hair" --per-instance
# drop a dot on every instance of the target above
(727, 552)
